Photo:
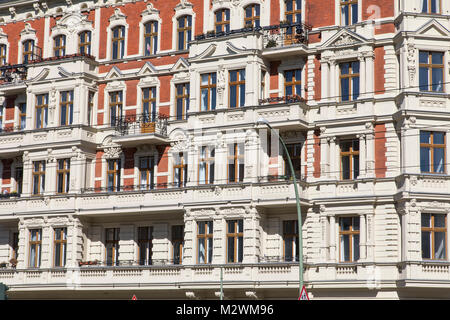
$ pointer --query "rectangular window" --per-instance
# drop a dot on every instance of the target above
(184, 30)
(432, 152)
(2, 110)
(349, 239)
(434, 236)
(294, 150)
(293, 82)
(431, 6)
(28, 51)
(38, 177)
(349, 159)
(145, 238)
(237, 88)
(118, 42)
(208, 91)
(113, 174)
(290, 240)
(146, 173)
(151, 38)
(206, 165)
(112, 239)
(293, 15)
(252, 15)
(35, 248)
(41, 111)
(2, 54)
(148, 106)
(115, 107)
(236, 162)
(60, 247)
(18, 175)
(84, 45)
(431, 71)
(179, 170)
(22, 116)
(66, 105)
(205, 241)
(263, 85)
(222, 23)
(90, 113)
(177, 243)
(235, 241)
(63, 176)
(59, 47)
(15, 246)
(182, 99)
(349, 80)
(349, 12)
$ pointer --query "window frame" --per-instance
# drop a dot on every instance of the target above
(3, 54)
(22, 115)
(350, 76)
(291, 149)
(62, 242)
(238, 84)
(150, 116)
(251, 21)
(186, 30)
(65, 172)
(147, 243)
(351, 154)
(40, 174)
(238, 240)
(59, 50)
(293, 238)
(68, 105)
(27, 55)
(117, 105)
(182, 166)
(38, 248)
(429, 66)
(208, 160)
(224, 24)
(114, 242)
(351, 233)
(184, 98)
(208, 239)
(177, 244)
(149, 172)
(292, 84)
(119, 40)
(432, 229)
(44, 111)
(348, 4)
(431, 146)
(209, 86)
(84, 45)
(235, 157)
(116, 174)
(152, 35)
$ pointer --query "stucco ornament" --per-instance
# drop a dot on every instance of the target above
(411, 57)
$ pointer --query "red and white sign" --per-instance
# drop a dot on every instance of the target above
(134, 297)
(303, 294)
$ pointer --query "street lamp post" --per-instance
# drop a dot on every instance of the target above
(297, 200)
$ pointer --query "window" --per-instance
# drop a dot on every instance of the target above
(150, 38)
(432, 152)
(66, 105)
(2, 54)
(177, 243)
(293, 82)
(349, 239)
(149, 104)
(84, 44)
(431, 71)
(434, 236)
(294, 150)
(206, 165)
(263, 84)
(112, 246)
(222, 23)
(179, 170)
(23, 116)
(38, 177)
(252, 15)
(18, 175)
(113, 174)
(237, 88)
(63, 176)
(293, 15)
(60, 247)
(115, 107)
(59, 46)
(205, 241)
(118, 42)
(41, 111)
(236, 162)
(290, 240)
(28, 51)
(235, 241)
(349, 159)
(431, 6)
(2, 109)
(90, 113)
(145, 244)
(349, 12)
(349, 79)
(184, 32)
(35, 248)
(15, 246)
(182, 99)
(208, 91)
(146, 173)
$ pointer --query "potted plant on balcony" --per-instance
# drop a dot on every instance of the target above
(3, 264)
(271, 43)
(13, 262)
(210, 33)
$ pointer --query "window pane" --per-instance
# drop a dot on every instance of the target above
(230, 249)
(425, 159)
(345, 248)
(439, 245)
(345, 167)
(423, 79)
(425, 136)
(354, 13)
(355, 166)
(242, 95)
(232, 96)
(423, 56)
(437, 57)
(355, 83)
(346, 223)
(355, 247)
(426, 220)
(426, 245)
(438, 160)
(201, 250)
(439, 221)
(437, 79)
(438, 138)
(345, 90)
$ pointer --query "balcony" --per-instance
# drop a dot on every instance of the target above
(139, 129)
(285, 39)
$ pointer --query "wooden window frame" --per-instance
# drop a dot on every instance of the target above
(183, 170)
(59, 50)
(184, 100)
(22, 114)
(294, 82)
(291, 147)
(84, 42)
(115, 246)
(117, 104)
(185, 31)
(148, 243)
(3, 54)
(205, 236)
(348, 4)
(350, 77)
(63, 247)
(149, 172)
(27, 55)
(235, 234)
(351, 233)
(44, 110)
(115, 173)
(208, 86)
(152, 35)
(291, 237)
(40, 174)
(18, 178)
(431, 147)
(351, 154)
(235, 157)
(433, 230)
(263, 84)
(15, 245)
(439, 7)
(151, 103)
(430, 66)
(251, 21)
(238, 83)
(177, 242)
(293, 12)
(120, 41)
(90, 114)
(38, 245)
(65, 172)
(69, 107)
(224, 23)
(208, 159)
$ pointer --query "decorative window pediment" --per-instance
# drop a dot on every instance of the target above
(28, 30)
(115, 85)
(184, 4)
(117, 16)
(345, 38)
(72, 22)
(147, 69)
(150, 11)
(181, 65)
(433, 28)
(114, 73)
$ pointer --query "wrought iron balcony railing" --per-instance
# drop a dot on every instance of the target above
(141, 124)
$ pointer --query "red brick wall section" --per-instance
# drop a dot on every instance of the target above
(163, 163)
(320, 13)
(128, 166)
(380, 150)
(317, 79)
(379, 70)
(6, 175)
(275, 12)
(98, 170)
(9, 111)
(274, 77)
(385, 28)
(375, 9)
(316, 173)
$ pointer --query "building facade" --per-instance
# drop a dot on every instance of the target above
(132, 161)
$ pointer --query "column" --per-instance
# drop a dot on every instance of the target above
(27, 184)
(76, 251)
(50, 174)
(189, 254)
(332, 238)
(251, 236)
(362, 237)
(46, 246)
(325, 79)
(324, 158)
(363, 77)
(370, 159)
(370, 241)
(219, 245)
(251, 156)
(220, 173)
(370, 75)
(362, 155)
(46, 46)
(333, 161)
(334, 82)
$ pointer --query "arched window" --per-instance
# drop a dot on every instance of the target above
(222, 23)
(252, 15)
(184, 32)
(150, 38)
(28, 50)
(59, 47)
(118, 42)
(84, 42)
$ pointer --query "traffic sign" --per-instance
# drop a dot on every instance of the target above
(134, 297)
(303, 294)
